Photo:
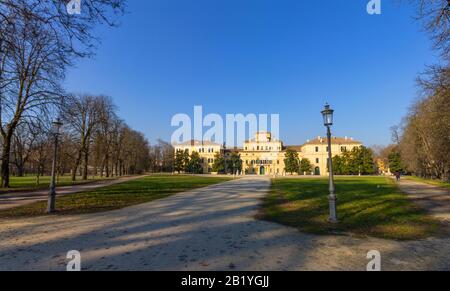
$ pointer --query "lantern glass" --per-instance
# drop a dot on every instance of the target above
(328, 116)
(56, 127)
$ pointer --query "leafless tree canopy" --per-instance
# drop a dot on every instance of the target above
(425, 138)
(435, 15)
(73, 34)
(38, 41)
(94, 142)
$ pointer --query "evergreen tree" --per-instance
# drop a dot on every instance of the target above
(291, 162)
(345, 162)
(178, 164)
(361, 161)
(219, 163)
(367, 161)
(338, 165)
(186, 159)
(235, 163)
(306, 166)
(195, 164)
(357, 161)
(395, 162)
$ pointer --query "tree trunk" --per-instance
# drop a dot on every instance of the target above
(85, 165)
(107, 165)
(75, 166)
(74, 173)
(5, 161)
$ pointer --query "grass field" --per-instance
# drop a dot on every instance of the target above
(29, 183)
(116, 196)
(371, 206)
(429, 181)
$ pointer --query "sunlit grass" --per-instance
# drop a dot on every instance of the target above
(116, 196)
(31, 182)
(371, 206)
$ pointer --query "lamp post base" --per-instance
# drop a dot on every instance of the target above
(333, 213)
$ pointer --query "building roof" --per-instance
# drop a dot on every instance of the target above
(197, 143)
(335, 140)
(297, 148)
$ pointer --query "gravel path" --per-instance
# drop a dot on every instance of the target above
(206, 229)
(434, 199)
(14, 199)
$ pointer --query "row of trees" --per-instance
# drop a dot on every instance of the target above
(292, 163)
(39, 41)
(423, 145)
(358, 161)
(161, 157)
(193, 164)
(188, 163)
(94, 141)
(230, 165)
(422, 141)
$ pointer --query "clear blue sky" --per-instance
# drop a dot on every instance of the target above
(261, 56)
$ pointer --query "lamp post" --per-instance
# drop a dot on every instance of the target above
(56, 127)
(328, 122)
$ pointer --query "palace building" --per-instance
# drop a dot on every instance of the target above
(265, 156)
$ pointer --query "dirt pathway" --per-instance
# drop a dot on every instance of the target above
(434, 199)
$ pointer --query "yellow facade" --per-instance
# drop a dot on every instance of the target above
(206, 150)
(265, 156)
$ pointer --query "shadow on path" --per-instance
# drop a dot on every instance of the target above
(205, 229)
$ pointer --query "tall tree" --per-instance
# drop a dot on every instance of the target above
(195, 164)
(24, 139)
(339, 165)
(395, 162)
(305, 166)
(179, 161)
(81, 116)
(219, 163)
(291, 163)
(104, 133)
(235, 163)
(186, 160)
(361, 162)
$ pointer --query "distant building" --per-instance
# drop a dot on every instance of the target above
(383, 167)
(265, 156)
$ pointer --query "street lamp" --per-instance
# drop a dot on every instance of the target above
(328, 122)
(55, 131)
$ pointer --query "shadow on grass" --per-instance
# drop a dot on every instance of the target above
(371, 206)
(116, 196)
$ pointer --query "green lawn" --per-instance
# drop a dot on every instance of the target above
(116, 196)
(429, 181)
(372, 206)
(29, 183)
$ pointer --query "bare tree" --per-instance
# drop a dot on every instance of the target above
(38, 40)
(435, 15)
(40, 155)
(425, 142)
(162, 157)
(81, 115)
(24, 139)
(32, 67)
(104, 136)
